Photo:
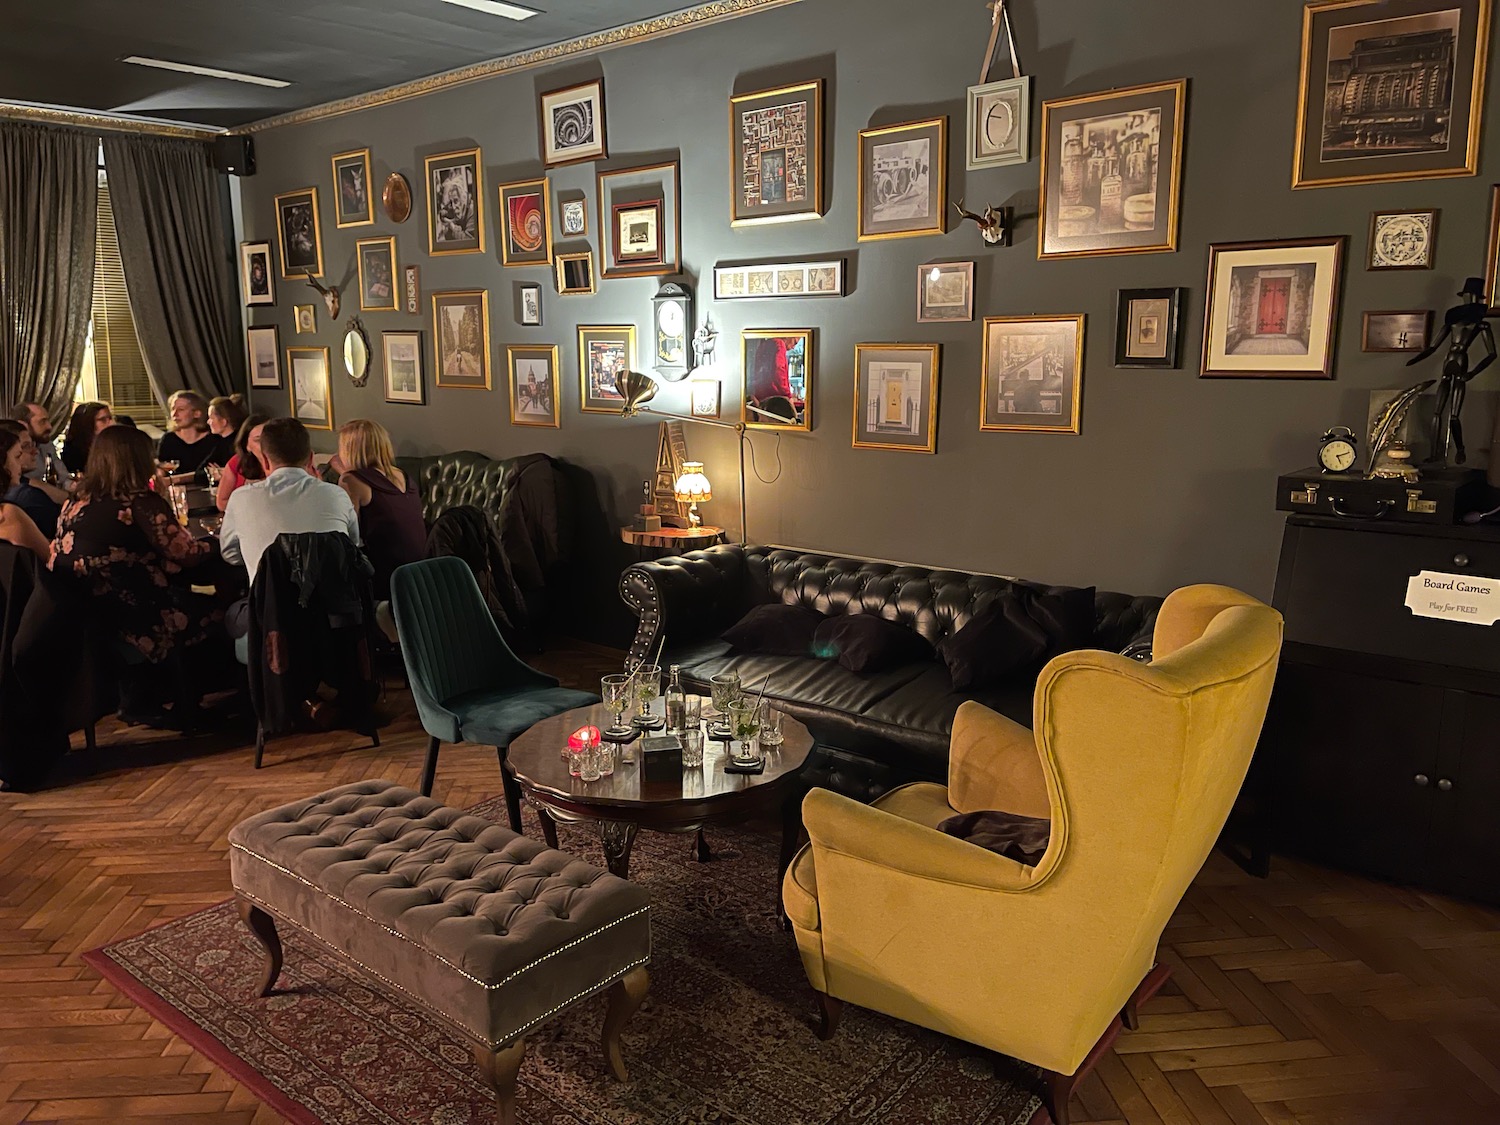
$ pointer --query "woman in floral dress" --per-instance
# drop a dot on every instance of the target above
(120, 540)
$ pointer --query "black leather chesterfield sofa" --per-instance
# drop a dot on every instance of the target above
(876, 730)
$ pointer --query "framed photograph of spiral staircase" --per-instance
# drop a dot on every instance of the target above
(572, 123)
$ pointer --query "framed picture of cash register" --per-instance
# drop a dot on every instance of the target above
(1111, 171)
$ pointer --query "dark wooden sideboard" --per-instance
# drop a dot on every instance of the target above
(1381, 751)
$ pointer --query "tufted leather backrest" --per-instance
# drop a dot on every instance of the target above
(935, 603)
(449, 480)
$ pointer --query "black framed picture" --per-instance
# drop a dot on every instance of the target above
(263, 351)
(1147, 324)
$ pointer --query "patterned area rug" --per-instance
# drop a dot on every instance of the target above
(725, 1037)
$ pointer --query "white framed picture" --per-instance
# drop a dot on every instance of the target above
(263, 355)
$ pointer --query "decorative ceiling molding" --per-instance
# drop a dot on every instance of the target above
(103, 122)
(687, 20)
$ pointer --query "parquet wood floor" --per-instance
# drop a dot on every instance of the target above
(1309, 997)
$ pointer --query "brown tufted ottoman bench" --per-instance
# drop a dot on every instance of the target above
(491, 932)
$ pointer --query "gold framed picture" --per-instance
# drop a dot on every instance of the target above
(353, 206)
(1273, 308)
(778, 366)
(300, 233)
(455, 203)
(461, 338)
(1111, 171)
(533, 385)
(603, 351)
(1032, 374)
(403, 367)
(377, 274)
(305, 318)
(776, 155)
(1390, 90)
(896, 397)
(263, 353)
(312, 396)
(632, 192)
(903, 180)
(572, 124)
(575, 273)
(525, 223)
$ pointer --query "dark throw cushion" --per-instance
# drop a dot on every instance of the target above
(1021, 838)
(1067, 617)
(994, 645)
(862, 643)
(775, 630)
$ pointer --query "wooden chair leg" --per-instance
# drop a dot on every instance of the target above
(831, 1012)
(1060, 1087)
(1130, 1015)
(260, 742)
(625, 997)
(263, 926)
(429, 767)
(374, 738)
(88, 738)
(499, 1070)
(1059, 1093)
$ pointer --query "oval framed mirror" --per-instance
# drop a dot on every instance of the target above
(356, 352)
(396, 198)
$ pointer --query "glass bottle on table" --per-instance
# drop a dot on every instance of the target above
(676, 700)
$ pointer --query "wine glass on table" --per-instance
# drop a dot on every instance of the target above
(616, 690)
(744, 724)
(647, 688)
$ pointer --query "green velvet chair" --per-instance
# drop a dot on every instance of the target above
(468, 685)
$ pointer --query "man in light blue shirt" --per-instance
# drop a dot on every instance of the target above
(291, 499)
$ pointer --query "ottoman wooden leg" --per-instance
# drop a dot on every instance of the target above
(499, 1070)
(625, 996)
(263, 926)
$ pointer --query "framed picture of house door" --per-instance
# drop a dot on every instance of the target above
(1273, 308)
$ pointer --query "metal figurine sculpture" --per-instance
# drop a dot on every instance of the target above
(1466, 324)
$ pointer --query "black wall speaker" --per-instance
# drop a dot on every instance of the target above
(234, 155)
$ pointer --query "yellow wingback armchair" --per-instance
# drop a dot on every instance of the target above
(1136, 765)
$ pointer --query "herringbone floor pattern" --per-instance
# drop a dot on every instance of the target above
(1310, 997)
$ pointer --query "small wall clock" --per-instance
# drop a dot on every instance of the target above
(673, 321)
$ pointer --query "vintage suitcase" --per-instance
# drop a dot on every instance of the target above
(1438, 498)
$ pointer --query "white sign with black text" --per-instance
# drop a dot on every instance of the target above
(1454, 597)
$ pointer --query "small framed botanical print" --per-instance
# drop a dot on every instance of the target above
(403, 367)
(903, 180)
(776, 155)
(1402, 240)
(455, 203)
(637, 233)
(778, 364)
(1401, 331)
(604, 350)
(1146, 328)
(704, 394)
(353, 204)
(305, 318)
(1111, 171)
(312, 402)
(1032, 375)
(461, 338)
(301, 234)
(526, 223)
(945, 291)
(574, 218)
(377, 274)
(533, 385)
(531, 305)
(256, 281)
(263, 350)
(572, 124)
(895, 397)
(1273, 308)
(999, 123)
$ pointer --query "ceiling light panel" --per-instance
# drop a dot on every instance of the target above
(497, 8)
(205, 71)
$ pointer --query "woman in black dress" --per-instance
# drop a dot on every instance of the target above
(120, 541)
(89, 419)
(190, 444)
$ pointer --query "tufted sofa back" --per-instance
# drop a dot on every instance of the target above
(449, 480)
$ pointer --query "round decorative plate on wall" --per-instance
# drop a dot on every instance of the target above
(396, 198)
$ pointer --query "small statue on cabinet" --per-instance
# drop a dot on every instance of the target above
(1465, 323)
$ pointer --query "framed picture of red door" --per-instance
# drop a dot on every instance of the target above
(1273, 308)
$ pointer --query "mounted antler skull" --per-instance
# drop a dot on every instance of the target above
(330, 293)
(993, 225)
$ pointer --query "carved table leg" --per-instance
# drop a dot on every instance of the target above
(625, 996)
(263, 926)
(700, 848)
(617, 836)
(549, 826)
(499, 1070)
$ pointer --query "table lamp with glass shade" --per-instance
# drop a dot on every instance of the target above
(692, 488)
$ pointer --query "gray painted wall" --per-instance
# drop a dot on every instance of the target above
(1172, 478)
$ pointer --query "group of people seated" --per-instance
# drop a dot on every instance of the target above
(97, 513)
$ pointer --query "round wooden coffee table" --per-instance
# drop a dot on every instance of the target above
(626, 801)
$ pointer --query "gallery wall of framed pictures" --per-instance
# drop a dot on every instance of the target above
(1163, 229)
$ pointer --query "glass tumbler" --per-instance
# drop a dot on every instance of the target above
(606, 759)
(724, 689)
(588, 766)
(770, 725)
(692, 747)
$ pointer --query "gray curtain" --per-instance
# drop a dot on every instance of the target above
(49, 193)
(169, 215)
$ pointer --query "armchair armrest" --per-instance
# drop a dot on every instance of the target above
(993, 763)
(688, 596)
(905, 847)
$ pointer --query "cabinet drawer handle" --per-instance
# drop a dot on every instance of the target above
(1460, 559)
(1444, 784)
(1421, 779)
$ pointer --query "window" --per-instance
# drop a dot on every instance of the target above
(114, 370)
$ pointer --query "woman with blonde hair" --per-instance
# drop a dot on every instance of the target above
(390, 510)
(191, 444)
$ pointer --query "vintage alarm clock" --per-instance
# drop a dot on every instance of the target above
(1336, 454)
